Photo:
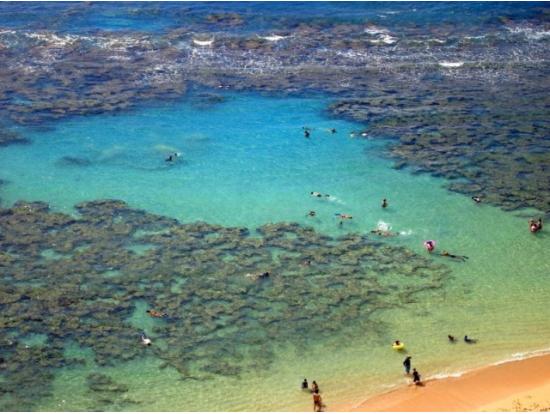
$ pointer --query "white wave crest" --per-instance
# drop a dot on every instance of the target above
(447, 64)
(208, 42)
(529, 32)
(383, 226)
(273, 38)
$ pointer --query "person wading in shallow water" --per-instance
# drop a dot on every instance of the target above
(416, 377)
(407, 365)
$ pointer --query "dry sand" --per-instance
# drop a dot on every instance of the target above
(513, 386)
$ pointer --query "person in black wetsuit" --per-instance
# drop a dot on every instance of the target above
(305, 385)
(384, 203)
(407, 365)
(469, 340)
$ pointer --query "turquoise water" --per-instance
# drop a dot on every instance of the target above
(245, 162)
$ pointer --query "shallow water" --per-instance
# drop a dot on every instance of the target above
(245, 162)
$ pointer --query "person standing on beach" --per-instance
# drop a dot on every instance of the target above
(317, 402)
(407, 365)
(416, 377)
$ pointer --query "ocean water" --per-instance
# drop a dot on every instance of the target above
(244, 161)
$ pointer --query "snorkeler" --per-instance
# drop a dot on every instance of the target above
(316, 194)
(384, 233)
(384, 203)
(535, 226)
(476, 199)
(156, 314)
(454, 256)
(469, 340)
(144, 340)
(311, 213)
(429, 245)
(333, 130)
(344, 216)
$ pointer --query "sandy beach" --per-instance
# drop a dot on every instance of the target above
(512, 386)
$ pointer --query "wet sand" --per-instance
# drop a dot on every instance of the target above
(493, 388)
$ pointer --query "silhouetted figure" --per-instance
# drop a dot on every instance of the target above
(384, 203)
(416, 377)
(469, 340)
(317, 402)
(451, 338)
(314, 387)
(476, 199)
(305, 385)
(407, 365)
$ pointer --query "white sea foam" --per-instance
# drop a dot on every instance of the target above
(273, 38)
(447, 64)
(406, 232)
(529, 32)
(383, 226)
(373, 30)
(198, 42)
(335, 200)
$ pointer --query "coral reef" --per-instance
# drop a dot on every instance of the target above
(218, 321)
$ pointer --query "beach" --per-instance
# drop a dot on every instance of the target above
(522, 385)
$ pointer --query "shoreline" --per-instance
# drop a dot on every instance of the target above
(517, 385)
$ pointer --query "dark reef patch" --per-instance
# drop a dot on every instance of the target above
(200, 275)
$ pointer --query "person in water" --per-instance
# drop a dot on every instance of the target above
(453, 256)
(305, 385)
(430, 245)
(469, 340)
(317, 402)
(311, 213)
(416, 377)
(145, 341)
(333, 130)
(476, 199)
(383, 233)
(535, 226)
(384, 203)
(451, 338)
(407, 365)
(306, 133)
(156, 314)
(314, 387)
(172, 157)
(397, 342)
(316, 194)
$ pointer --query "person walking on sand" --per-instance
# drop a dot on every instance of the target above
(407, 365)
(317, 402)
(416, 377)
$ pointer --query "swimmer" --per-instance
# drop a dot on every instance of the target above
(535, 226)
(384, 203)
(453, 256)
(317, 402)
(156, 314)
(306, 134)
(344, 216)
(332, 130)
(384, 233)
(451, 338)
(429, 245)
(416, 377)
(476, 199)
(257, 276)
(407, 365)
(311, 213)
(314, 387)
(469, 340)
(172, 157)
(145, 341)
(397, 342)
(305, 385)
(316, 194)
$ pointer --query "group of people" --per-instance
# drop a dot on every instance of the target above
(307, 131)
(317, 400)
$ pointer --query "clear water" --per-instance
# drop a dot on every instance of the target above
(246, 162)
